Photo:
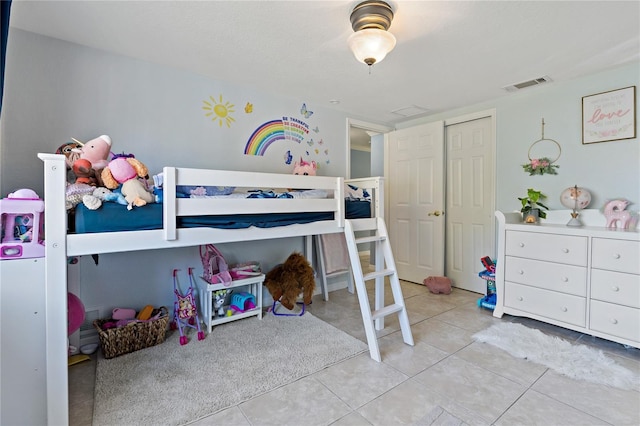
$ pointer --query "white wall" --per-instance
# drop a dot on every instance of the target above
(56, 90)
(608, 169)
(360, 163)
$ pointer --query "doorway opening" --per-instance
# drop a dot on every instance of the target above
(365, 148)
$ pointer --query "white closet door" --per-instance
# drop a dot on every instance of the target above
(470, 201)
(416, 200)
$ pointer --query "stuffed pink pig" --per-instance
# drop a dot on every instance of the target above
(96, 151)
(438, 284)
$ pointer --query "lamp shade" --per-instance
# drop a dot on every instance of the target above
(371, 45)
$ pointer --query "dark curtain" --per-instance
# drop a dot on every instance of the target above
(4, 34)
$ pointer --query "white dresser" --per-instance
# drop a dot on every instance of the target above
(582, 278)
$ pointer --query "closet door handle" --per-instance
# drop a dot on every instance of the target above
(436, 213)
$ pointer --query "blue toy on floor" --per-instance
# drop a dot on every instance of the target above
(185, 313)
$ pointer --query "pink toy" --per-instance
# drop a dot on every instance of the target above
(75, 313)
(438, 284)
(185, 313)
(126, 171)
(305, 168)
(96, 151)
(616, 214)
(22, 225)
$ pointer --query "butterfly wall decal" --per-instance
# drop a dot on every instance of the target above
(288, 157)
(305, 112)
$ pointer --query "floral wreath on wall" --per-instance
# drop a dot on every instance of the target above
(542, 165)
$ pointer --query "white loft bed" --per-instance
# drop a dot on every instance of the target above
(59, 245)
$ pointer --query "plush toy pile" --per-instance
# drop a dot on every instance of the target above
(95, 176)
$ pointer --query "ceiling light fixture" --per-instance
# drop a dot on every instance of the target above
(371, 41)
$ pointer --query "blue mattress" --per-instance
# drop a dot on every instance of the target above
(112, 217)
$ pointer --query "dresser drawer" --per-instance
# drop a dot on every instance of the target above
(616, 255)
(615, 287)
(616, 320)
(551, 276)
(567, 249)
(558, 306)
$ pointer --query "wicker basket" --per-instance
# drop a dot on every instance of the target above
(132, 337)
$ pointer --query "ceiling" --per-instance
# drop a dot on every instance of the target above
(449, 54)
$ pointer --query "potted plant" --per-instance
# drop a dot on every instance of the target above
(532, 207)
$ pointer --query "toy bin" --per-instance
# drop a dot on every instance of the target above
(22, 232)
(136, 335)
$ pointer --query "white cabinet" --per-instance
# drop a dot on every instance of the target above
(583, 278)
(22, 339)
(209, 314)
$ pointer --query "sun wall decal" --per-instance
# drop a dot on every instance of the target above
(219, 111)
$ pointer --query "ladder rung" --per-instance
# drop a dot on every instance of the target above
(370, 239)
(387, 310)
(378, 274)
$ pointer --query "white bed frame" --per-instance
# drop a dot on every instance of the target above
(59, 245)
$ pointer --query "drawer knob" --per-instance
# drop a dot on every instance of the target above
(565, 279)
(564, 309)
(565, 250)
(521, 272)
(520, 299)
(614, 321)
(616, 256)
(615, 288)
(521, 244)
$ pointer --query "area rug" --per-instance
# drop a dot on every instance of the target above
(575, 361)
(171, 384)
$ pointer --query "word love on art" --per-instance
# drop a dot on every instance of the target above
(598, 115)
(609, 116)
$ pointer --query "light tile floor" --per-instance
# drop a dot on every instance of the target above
(446, 378)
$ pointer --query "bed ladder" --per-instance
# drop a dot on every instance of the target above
(374, 319)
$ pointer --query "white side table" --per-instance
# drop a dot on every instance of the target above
(206, 291)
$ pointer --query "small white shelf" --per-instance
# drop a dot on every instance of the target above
(206, 300)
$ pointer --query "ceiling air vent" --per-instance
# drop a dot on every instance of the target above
(525, 84)
(410, 111)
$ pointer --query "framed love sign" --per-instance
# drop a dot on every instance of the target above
(609, 116)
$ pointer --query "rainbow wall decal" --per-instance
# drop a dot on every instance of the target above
(264, 136)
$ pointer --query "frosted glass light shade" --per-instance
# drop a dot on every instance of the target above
(371, 45)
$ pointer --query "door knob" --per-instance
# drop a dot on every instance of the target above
(435, 213)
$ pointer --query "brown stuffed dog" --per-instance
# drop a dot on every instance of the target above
(286, 281)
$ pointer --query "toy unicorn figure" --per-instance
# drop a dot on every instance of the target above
(305, 168)
(218, 301)
(616, 214)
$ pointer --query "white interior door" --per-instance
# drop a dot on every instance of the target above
(470, 201)
(416, 200)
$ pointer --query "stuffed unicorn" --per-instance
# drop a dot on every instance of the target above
(305, 168)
